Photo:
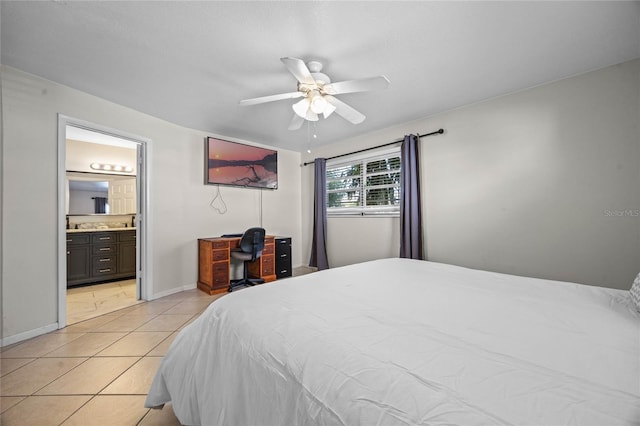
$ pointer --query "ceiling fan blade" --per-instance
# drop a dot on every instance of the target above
(345, 111)
(361, 85)
(296, 122)
(299, 69)
(271, 98)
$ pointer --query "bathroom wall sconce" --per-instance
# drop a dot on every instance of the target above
(111, 167)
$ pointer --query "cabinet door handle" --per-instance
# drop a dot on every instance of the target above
(106, 259)
(104, 270)
(283, 255)
(105, 249)
(68, 252)
(104, 238)
(69, 241)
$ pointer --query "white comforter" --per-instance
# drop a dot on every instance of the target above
(404, 342)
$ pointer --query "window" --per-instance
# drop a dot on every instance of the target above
(365, 185)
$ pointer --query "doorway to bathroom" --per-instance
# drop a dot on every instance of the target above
(102, 204)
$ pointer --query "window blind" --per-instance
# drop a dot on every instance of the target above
(365, 185)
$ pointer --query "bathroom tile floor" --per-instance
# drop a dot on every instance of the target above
(95, 300)
(96, 371)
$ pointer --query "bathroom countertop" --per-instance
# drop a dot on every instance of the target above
(100, 230)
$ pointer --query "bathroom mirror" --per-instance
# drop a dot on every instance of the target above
(88, 193)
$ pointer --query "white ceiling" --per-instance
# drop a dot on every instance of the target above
(191, 62)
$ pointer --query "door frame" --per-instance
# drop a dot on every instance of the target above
(144, 254)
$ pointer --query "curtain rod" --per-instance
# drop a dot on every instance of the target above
(437, 132)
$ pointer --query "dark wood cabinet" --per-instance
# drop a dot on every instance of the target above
(78, 257)
(283, 257)
(78, 261)
(100, 256)
(127, 258)
(127, 252)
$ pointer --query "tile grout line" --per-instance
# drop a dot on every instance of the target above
(201, 303)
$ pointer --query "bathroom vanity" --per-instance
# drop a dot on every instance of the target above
(95, 255)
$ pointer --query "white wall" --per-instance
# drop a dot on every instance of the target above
(81, 154)
(180, 210)
(542, 183)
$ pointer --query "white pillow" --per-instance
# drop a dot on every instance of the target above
(635, 292)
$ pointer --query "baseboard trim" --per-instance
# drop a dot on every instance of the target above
(16, 338)
(174, 291)
(6, 341)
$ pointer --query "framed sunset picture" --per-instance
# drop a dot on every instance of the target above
(238, 164)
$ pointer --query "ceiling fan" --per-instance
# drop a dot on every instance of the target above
(318, 93)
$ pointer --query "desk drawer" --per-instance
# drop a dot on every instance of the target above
(283, 268)
(283, 254)
(283, 241)
(220, 274)
(221, 244)
(219, 255)
(268, 265)
(268, 249)
(283, 273)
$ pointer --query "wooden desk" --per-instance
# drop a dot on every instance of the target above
(214, 261)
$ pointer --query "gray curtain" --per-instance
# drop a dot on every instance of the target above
(410, 214)
(319, 244)
(100, 204)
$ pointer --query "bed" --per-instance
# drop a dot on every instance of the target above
(406, 342)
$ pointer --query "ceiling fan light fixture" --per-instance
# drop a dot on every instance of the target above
(318, 92)
(318, 103)
(301, 107)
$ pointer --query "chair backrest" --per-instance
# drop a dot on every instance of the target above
(252, 241)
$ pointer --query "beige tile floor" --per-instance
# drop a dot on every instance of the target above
(97, 371)
(95, 300)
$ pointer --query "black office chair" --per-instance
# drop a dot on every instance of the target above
(251, 246)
